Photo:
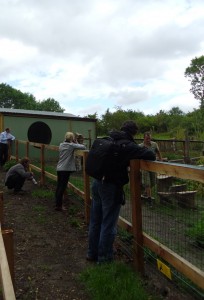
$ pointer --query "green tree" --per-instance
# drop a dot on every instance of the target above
(162, 121)
(195, 72)
(49, 104)
(176, 111)
(13, 98)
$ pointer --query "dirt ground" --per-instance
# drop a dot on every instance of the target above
(50, 248)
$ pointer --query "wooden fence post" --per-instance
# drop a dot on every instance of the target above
(5, 271)
(1, 208)
(42, 159)
(7, 235)
(17, 150)
(87, 198)
(135, 190)
(89, 131)
(186, 150)
(27, 149)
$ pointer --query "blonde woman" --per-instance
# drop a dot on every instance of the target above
(66, 165)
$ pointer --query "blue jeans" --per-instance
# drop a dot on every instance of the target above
(105, 209)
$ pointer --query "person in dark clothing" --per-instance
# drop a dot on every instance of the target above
(16, 175)
(108, 196)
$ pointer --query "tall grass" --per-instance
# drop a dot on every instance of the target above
(113, 281)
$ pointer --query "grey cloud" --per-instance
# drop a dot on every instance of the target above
(129, 97)
(169, 42)
(119, 52)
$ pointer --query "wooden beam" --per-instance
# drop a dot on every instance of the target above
(178, 262)
(181, 171)
(6, 280)
(1, 207)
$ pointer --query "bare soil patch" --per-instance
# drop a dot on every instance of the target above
(50, 249)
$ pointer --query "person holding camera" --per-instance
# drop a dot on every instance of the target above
(65, 166)
(16, 175)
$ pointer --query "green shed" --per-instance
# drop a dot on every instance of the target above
(45, 127)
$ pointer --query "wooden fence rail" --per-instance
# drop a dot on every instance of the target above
(6, 259)
(141, 239)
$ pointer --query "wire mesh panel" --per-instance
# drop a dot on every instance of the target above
(175, 218)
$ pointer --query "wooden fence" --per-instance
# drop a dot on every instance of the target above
(6, 259)
(141, 239)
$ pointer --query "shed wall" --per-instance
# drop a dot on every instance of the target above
(20, 125)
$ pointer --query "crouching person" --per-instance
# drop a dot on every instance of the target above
(16, 175)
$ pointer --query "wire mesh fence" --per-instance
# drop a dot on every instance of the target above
(172, 222)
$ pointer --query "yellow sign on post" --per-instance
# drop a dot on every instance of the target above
(164, 269)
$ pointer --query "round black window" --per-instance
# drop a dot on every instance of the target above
(39, 132)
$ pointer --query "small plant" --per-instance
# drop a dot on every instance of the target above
(200, 161)
(72, 210)
(125, 236)
(39, 208)
(75, 223)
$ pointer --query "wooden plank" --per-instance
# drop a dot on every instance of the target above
(35, 168)
(124, 224)
(178, 262)
(9, 247)
(182, 171)
(87, 194)
(1, 207)
(42, 160)
(51, 176)
(138, 252)
(6, 281)
(52, 147)
(76, 190)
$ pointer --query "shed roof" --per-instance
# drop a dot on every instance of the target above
(36, 113)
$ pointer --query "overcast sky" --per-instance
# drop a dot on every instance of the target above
(91, 55)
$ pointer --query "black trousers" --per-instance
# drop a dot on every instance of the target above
(62, 181)
(3, 153)
(15, 182)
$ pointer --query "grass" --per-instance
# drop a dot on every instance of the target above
(113, 281)
(75, 223)
(197, 231)
(43, 194)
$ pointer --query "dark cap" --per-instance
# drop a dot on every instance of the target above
(130, 127)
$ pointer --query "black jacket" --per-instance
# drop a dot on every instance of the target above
(129, 150)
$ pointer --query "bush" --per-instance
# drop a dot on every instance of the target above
(9, 164)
